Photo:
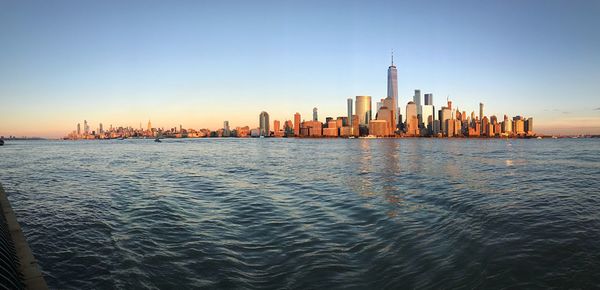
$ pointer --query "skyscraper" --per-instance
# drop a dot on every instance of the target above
(363, 109)
(264, 124)
(276, 128)
(100, 129)
(297, 124)
(350, 111)
(428, 99)
(412, 126)
(428, 117)
(315, 116)
(417, 100)
(392, 87)
(149, 126)
(480, 111)
(445, 118)
(86, 128)
(78, 129)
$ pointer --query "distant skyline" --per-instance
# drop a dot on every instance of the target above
(200, 63)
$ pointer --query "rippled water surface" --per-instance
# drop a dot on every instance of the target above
(285, 213)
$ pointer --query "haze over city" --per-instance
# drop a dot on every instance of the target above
(197, 65)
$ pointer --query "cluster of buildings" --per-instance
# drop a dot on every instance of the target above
(420, 119)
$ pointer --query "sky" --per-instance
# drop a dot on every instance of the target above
(199, 63)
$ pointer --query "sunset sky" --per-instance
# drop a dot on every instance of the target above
(198, 63)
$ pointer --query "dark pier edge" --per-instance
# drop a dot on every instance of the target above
(27, 266)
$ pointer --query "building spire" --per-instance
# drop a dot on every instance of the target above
(392, 57)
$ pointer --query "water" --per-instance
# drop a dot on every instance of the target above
(285, 213)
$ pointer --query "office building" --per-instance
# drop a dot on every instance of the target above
(428, 117)
(297, 124)
(315, 116)
(392, 89)
(350, 111)
(379, 128)
(480, 111)
(445, 115)
(363, 110)
(264, 124)
(428, 100)
(417, 101)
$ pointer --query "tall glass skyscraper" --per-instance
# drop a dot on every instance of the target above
(264, 124)
(392, 87)
(417, 100)
(350, 111)
(428, 99)
(363, 109)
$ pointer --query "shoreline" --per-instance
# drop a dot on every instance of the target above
(26, 264)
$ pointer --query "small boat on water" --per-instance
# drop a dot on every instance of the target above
(1, 142)
(157, 140)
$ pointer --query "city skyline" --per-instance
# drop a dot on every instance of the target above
(114, 64)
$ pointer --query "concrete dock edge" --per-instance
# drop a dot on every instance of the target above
(29, 270)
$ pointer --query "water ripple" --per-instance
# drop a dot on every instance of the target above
(284, 213)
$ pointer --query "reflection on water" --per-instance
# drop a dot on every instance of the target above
(285, 213)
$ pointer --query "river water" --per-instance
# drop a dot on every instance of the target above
(309, 213)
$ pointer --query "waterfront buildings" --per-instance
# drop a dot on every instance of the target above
(428, 100)
(392, 89)
(417, 101)
(420, 120)
(264, 124)
(363, 110)
(428, 118)
(350, 111)
(480, 111)
(445, 117)
(412, 120)
(297, 124)
(379, 128)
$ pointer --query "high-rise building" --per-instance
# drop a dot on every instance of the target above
(428, 117)
(363, 110)
(100, 129)
(264, 124)
(297, 124)
(226, 125)
(276, 129)
(529, 125)
(388, 103)
(412, 120)
(350, 111)
(149, 126)
(417, 100)
(392, 88)
(226, 129)
(480, 111)
(411, 111)
(428, 100)
(315, 116)
(445, 115)
(86, 128)
(78, 129)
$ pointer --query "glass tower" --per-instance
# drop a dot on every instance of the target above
(392, 86)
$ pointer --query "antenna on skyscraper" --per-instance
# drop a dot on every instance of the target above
(392, 57)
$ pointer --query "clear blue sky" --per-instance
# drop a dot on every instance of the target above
(197, 63)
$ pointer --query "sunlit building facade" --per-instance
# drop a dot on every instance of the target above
(264, 124)
(363, 110)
